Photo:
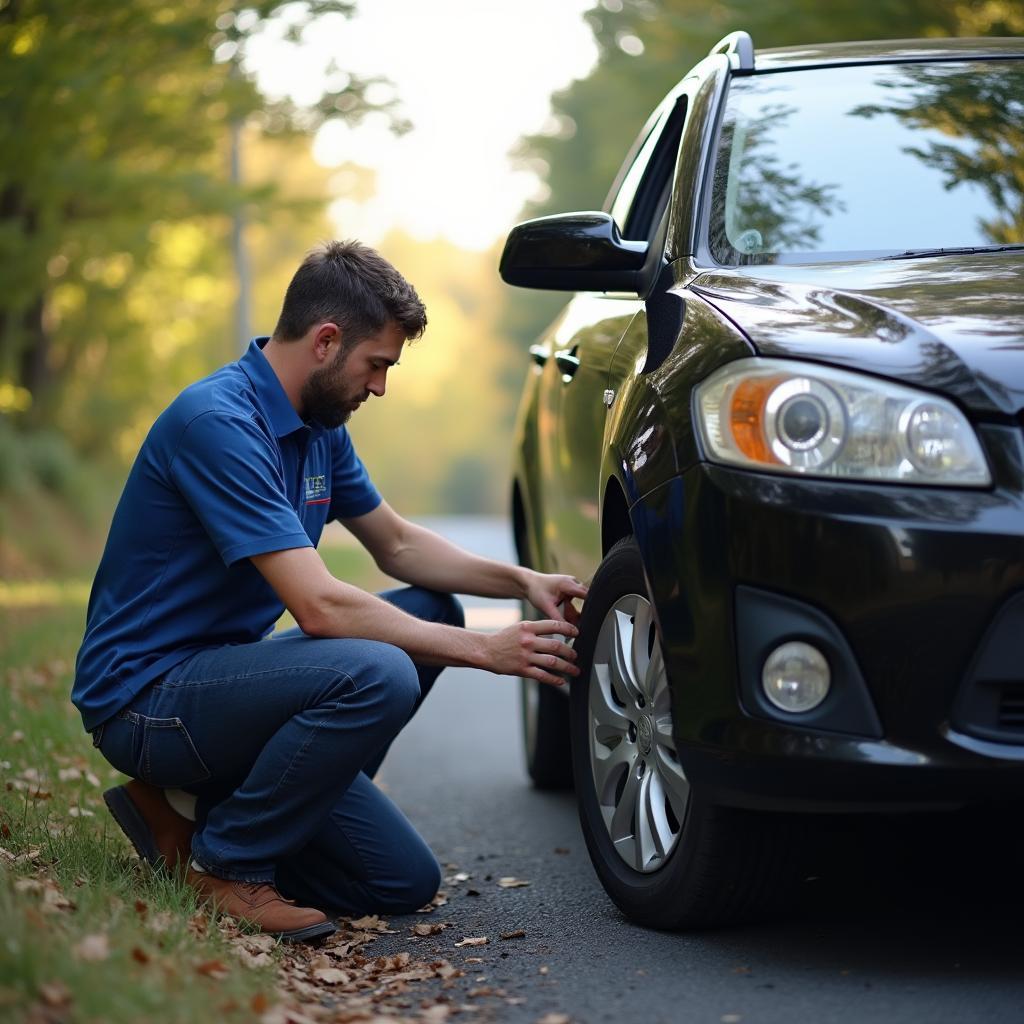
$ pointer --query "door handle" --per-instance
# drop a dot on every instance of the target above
(539, 354)
(567, 361)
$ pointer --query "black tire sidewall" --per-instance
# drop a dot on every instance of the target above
(657, 899)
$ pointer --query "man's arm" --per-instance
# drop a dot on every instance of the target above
(419, 556)
(325, 607)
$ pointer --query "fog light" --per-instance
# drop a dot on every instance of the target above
(796, 677)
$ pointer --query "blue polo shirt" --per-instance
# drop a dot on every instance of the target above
(227, 471)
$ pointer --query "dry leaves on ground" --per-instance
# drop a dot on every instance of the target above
(511, 883)
(92, 948)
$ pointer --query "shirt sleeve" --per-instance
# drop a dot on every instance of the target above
(352, 490)
(229, 472)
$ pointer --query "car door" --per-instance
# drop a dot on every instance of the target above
(580, 348)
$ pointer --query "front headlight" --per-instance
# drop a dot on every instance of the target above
(791, 417)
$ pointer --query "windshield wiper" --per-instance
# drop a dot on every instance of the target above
(912, 254)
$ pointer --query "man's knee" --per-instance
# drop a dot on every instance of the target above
(452, 612)
(396, 679)
(421, 878)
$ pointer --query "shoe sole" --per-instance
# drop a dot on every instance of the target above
(314, 933)
(134, 826)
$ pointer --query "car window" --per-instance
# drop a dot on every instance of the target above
(643, 189)
(849, 162)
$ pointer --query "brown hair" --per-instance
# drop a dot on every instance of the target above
(353, 286)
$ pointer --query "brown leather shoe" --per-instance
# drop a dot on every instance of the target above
(261, 904)
(162, 837)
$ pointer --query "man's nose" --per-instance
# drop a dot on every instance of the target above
(378, 384)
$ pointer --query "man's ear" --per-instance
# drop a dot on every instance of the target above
(326, 342)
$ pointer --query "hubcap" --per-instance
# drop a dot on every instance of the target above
(641, 788)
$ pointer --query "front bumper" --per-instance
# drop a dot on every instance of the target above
(912, 581)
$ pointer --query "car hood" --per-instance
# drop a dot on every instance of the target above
(953, 323)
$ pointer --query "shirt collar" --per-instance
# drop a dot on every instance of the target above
(283, 417)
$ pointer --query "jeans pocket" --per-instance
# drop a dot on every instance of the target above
(167, 757)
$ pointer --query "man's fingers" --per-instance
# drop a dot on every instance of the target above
(542, 627)
(553, 663)
(535, 672)
(556, 647)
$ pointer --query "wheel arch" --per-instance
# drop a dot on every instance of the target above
(615, 521)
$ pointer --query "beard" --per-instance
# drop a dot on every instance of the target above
(326, 397)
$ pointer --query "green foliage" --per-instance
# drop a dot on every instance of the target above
(68, 877)
(115, 202)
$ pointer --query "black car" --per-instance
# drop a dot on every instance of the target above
(779, 430)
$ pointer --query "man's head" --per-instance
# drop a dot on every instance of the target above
(354, 311)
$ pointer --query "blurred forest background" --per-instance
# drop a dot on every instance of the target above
(119, 214)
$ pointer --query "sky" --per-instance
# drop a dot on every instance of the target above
(471, 75)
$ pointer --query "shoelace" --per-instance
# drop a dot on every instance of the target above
(256, 889)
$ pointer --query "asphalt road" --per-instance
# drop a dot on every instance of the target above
(911, 922)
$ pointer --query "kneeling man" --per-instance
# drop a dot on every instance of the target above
(252, 756)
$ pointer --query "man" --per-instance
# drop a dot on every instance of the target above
(252, 758)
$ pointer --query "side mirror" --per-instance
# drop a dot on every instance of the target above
(572, 252)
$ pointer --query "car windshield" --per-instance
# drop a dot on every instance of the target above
(871, 161)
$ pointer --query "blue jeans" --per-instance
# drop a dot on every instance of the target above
(279, 741)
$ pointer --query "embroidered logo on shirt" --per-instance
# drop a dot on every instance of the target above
(316, 490)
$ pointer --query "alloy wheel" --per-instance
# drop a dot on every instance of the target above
(641, 788)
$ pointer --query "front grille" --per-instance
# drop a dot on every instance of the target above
(1011, 707)
(990, 701)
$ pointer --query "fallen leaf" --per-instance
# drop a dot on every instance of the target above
(479, 940)
(543, 970)
(139, 955)
(554, 1018)
(519, 933)
(259, 1003)
(92, 948)
(428, 929)
(372, 923)
(511, 883)
(212, 969)
(141, 908)
(332, 975)
(55, 993)
(436, 1014)
(256, 943)
(439, 900)
(562, 850)
(473, 960)
(160, 921)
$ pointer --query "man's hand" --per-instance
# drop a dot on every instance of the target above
(528, 649)
(552, 595)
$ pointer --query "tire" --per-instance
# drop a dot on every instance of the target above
(677, 861)
(544, 715)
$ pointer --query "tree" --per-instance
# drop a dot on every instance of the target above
(114, 134)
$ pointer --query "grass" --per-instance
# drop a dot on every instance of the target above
(88, 933)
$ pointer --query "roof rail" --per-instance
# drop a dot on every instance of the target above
(739, 47)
